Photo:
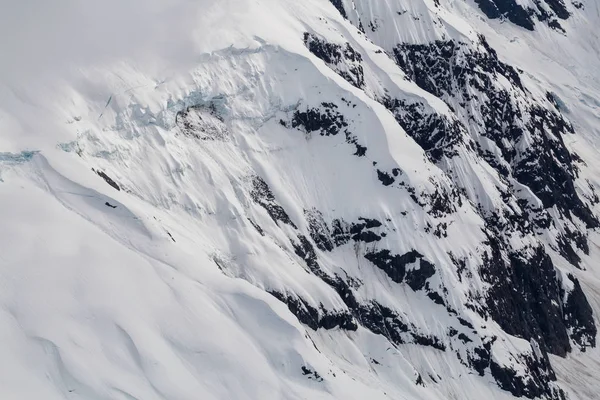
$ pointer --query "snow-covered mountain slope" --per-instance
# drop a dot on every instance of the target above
(340, 199)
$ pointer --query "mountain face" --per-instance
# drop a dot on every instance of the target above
(331, 199)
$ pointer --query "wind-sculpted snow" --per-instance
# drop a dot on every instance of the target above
(331, 199)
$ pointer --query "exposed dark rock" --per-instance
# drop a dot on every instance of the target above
(340, 232)
(525, 297)
(107, 179)
(416, 277)
(466, 77)
(343, 59)
(305, 250)
(559, 8)
(345, 293)
(441, 67)
(466, 323)
(385, 178)
(314, 318)
(366, 236)
(395, 267)
(534, 385)
(524, 16)
(319, 231)
(311, 374)
(435, 133)
(592, 198)
(202, 121)
(261, 193)
(441, 202)
(257, 227)
(369, 223)
(171, 236)
(379, 319)
(440, 230)
(431, 341)
(479, 360)
(578, 317)
(464, 338)
(436, 298)
(340, 7)
(547, 166)
(327, 121)
(383, 321)
(509, 9)
(460, 264)
(567, 251)
(420, 380)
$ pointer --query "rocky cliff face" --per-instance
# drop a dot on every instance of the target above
(497, 121)
(377, 197)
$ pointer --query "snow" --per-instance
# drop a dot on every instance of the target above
(159, 290)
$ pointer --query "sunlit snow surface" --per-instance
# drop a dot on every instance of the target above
(159, 290)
